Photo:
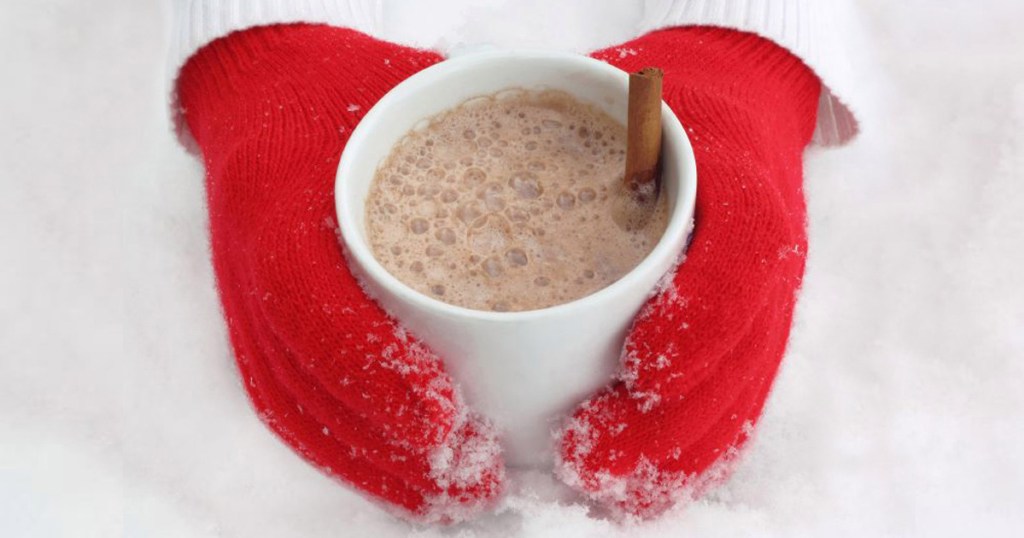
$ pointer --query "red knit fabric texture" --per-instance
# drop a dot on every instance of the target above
(702, 354)
(271, 109)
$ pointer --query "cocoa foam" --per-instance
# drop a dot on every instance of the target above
(505, 203)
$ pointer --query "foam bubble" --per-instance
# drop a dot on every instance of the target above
(473, 177)
(449, 195)
(488, 234)
(525, 185)
(516, 257)
(491, 194)
(492, 266)
(517, 214)
(418, 225)
(446, 236)
(566, 200)
(469, 212)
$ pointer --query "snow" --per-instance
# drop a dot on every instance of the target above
(898, 410)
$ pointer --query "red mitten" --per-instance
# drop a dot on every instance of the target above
(702, 354)
(271, 109)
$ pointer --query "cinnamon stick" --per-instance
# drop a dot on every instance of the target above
(640, 183)
(643, 132)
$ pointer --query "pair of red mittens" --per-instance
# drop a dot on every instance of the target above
(271, 109)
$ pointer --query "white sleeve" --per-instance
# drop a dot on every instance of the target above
(825, 34)
(197, 22)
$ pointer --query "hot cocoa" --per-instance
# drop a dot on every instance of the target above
(505, 203)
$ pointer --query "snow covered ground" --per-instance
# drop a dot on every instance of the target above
(899, 410)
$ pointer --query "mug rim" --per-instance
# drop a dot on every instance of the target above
(357, 248)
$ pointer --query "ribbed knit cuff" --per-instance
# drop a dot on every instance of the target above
(825, 34)
(198, 22)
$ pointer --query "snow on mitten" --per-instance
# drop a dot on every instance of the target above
(701, 356)
(271, 109)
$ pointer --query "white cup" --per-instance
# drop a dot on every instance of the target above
(524, 370)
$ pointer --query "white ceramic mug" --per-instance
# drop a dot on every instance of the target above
(524, 370)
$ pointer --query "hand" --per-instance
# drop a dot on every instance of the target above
(702, 354)
(271, 109)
